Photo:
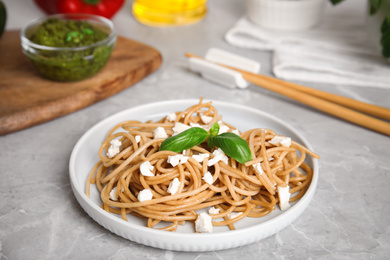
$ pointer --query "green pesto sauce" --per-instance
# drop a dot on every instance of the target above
(69, 65)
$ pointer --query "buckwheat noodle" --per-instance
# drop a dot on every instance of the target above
(236, 188)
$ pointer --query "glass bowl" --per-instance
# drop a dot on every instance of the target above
(69, 63)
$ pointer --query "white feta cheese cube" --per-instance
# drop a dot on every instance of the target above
(116, 142)
(174, 186)
(222, 128)
(207, 177)
(234, 215)
(219, 155)
(171, 117)
(179, 127)
(113, 195)
(195, 125)
(146, 169)
(203, 223)
(258, 169)
(206, 119)
(159, 133)
(177, 159)
(183, 159)
(235, 131)
(200, 157)
(144, 195)
(174, 160)
(213, 211)
(283, 141)
(114, 149)
(284, 197)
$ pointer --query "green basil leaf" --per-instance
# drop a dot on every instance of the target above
(214, 130)
(385, 38)
(385, 27)
(385, 41)
(375, 5)
(335, 1)
(210, 142)
(232, 145)
(185, 140)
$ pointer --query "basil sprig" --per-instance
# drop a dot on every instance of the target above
(374, 6)
(385, 39)
(185, 140)
(214, 130)
(231, 144)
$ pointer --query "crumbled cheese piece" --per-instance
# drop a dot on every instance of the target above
(213, 211)
(146, 169)
(200, 157)
(159, 133)
(235, 131)
(137, 138)
(179, 127)
(203, 223)
(183, 159)
(177, 159)
(144, 195)
(234, 215)
(206, 127)
(113, 195)
(174, 160)
(206, 119)
(222, 128)
(114, 148)
(171, 117)
(207, 177)
(195, 125)
(258, 169)
(284, 141)
(174, 186)
(219, 155)
(284, 197)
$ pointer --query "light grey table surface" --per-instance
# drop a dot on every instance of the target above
(349, 217)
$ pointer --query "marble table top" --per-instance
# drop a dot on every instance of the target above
(348, 217)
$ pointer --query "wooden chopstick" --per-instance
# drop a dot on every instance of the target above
(370, 109)
(321, 100)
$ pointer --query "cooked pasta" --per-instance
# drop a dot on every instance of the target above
(167, 188)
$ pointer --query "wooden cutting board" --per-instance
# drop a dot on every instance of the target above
(27, 99)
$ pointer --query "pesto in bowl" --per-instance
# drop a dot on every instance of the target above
(69, 47)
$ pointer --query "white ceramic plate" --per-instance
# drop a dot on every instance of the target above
(249, 230)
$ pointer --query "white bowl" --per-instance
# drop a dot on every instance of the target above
(289, 15)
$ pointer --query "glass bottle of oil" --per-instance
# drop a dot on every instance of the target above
(162, 13)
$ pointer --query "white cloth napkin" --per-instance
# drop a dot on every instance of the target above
(338, 51)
